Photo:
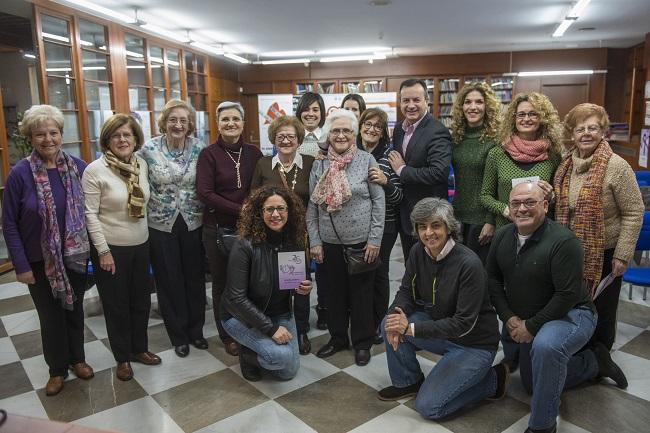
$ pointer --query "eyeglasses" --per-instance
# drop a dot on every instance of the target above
(338, 131)
(118, 136)
(282, 137)
(528, 204)
(376, 126)
(173, 121)
(270, 210)
(427, 306)
(532, 115)
(591, 128)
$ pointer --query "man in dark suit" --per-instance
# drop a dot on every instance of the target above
(421, 155)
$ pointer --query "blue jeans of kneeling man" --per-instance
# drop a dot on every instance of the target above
(281, 360)
(549, 364)
(462, 376)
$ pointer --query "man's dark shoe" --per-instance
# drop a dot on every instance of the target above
(321, 320)
(182, 351)
(607, 367)
(552, 429)
(393, 393)
(330, 349)
(200, 343)
(362, 357)
(250, 366)
(304, 345)
(503, 378)
(146, 358)
(232, 347)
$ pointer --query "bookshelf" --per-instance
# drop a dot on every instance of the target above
(304, 88)
(326, 87)
(447, 91)
(502, 86)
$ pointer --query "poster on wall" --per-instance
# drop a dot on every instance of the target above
(269, 108)
(643, 148)
(647, 113)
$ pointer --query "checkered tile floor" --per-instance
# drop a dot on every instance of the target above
(206, 393)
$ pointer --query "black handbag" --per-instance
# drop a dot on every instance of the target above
(354, 257)
(226, 238)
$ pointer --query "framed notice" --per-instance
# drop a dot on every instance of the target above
(269, 108)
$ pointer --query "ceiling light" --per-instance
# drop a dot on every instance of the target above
(55, 37)
(236, 58)
(559, 31)
(295, 53)
(358, 50)
(351, 58)
(133, 54)
(548, 73)
(104, 11)
(166, 33)
(282, 61)
(208, 48)
(572, 16)
(29, 56)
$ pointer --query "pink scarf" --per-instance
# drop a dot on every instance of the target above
(527, 151)
(333, 187)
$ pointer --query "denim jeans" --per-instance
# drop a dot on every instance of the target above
(281, 360)
(462, 377)
(550, 363)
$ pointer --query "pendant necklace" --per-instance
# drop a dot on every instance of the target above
(237, 165)
(295, 175)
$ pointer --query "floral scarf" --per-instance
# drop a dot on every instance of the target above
(588, 219)
(75, 239)
(527, 151)
(333, 187)
(130, 172)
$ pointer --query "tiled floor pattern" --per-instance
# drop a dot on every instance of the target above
(205, 392)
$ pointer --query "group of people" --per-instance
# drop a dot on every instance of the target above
(536, 223)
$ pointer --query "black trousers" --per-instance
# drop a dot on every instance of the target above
(219, 270)
(349, 301)
(470, 239)
(407, 240)
(607, 306)
(177, 261)
(125, 298)
(381, 286)
(301, 312)
(62, 331)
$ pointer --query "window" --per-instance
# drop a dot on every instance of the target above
(198, 93)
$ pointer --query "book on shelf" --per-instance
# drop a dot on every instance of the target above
(350, 87)
(373, 86)
(304, 87)
(447, 98)
(449, 85)
(618, 131)
(326, 87)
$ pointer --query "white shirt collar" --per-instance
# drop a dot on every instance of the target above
(316, 133)
(445, 250)
(297, 160)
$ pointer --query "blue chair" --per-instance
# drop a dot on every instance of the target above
(640, 276)
(643, 176)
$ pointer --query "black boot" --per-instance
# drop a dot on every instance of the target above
(250, 366)
(321, 321)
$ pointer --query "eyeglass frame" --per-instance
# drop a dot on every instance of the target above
(532, 115)
(281, 137)
(270, 210)
(338, 131)
(376, 126)
(527, 204)
(590, 128)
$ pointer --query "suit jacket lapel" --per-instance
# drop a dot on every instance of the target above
(415, 137)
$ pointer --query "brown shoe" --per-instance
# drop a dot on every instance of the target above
(146, 358)
(124, 371)
(54, 385)
(232, 347)
(82, 370)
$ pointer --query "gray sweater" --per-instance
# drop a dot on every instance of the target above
(361, 219)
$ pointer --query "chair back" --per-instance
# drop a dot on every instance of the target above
(643, 243)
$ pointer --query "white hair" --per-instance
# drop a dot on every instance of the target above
(229, 104)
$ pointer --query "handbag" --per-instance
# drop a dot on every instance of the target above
(226, 238)
(355, 257)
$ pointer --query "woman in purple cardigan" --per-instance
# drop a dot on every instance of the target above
(45, 231)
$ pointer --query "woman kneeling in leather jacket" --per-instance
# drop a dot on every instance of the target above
(254, 310)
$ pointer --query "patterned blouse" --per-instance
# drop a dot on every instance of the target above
(172, 177)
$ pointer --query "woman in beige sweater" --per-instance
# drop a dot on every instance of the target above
(598, 198)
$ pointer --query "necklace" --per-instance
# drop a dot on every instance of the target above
(174, 153)
(283, 172)
(237, 165)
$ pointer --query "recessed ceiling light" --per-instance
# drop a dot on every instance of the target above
(586, 29)
(379, 2)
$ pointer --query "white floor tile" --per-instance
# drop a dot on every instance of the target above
(38, 371)
(624, 334)
(142, 415)
(7, 351)
(563, 426)
(311, 370)
(174, 370)
(400, 419)
(27, 404)
(20, 323)
(11, 290)
(637, 371)
(375, 374)
(98, 356)
(267, 417)
(97, 324)
(637, 294)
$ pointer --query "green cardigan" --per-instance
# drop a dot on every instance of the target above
(468, 160)
(500, 170)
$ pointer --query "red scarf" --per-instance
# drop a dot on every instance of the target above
(527, 151)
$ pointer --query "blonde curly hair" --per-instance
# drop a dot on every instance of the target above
(492, 117)
(550, 126)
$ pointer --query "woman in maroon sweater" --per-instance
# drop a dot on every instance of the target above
(223, 178)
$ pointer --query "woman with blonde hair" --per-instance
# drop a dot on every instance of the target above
(476, 116)
(175, 217)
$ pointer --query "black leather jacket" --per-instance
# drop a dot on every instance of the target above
(252, 271)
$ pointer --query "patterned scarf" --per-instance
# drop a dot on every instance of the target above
(333, 187)
(527, 151)
(75, 239)
(130, 172)
(588, 218)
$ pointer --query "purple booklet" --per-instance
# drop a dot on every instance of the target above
(291, 269)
